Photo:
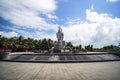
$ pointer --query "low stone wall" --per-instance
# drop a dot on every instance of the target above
(58, 57)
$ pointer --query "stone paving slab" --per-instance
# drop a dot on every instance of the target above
(60, 71)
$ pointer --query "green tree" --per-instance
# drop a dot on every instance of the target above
(37, 44)
(44, 44)
(69, 44)
(50, 43)
(30, 43)
(89, 48)
(4, 42)
(13, 43)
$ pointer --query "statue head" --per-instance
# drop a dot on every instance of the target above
(59, 29)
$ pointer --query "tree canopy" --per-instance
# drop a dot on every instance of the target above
(21, 44)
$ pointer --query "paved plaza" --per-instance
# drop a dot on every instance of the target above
(60, 71)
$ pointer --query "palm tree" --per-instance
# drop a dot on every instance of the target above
(4, 42)
(69, 44)
(44, 44)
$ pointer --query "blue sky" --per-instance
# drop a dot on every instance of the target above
(83, 22)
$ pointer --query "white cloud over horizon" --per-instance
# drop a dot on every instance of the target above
(98, 29)
(8, 34)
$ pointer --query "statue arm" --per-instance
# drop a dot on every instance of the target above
(62, 36)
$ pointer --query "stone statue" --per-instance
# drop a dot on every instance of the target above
(59, 44)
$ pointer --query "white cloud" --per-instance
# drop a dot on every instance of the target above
(35, 34)
(98, 18)
(51, 16)
(98, 29)
(40, 5)
(28, 13)
(113, 0)
(8, 34)
(80, 33)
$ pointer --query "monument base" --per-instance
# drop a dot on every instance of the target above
(57, 51)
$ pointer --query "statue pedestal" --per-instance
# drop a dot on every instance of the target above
(57, 51)
(58, 47)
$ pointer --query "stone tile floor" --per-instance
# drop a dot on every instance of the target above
(60, 71)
